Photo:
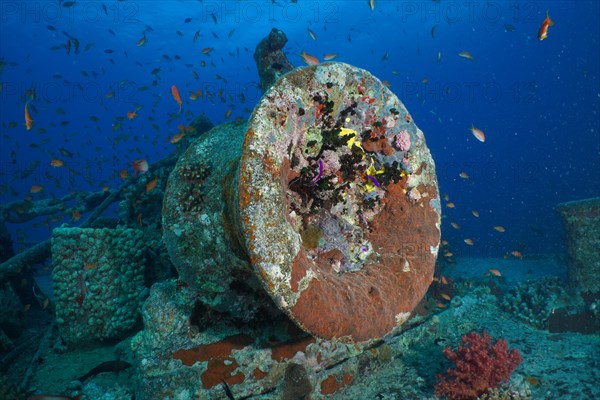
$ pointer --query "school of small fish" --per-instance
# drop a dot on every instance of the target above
(136, 122)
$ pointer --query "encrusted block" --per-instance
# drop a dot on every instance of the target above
(582, 223)
(98, 282)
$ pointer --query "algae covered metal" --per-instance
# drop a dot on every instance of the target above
(331, 202)
(197, 229)
(582, 224)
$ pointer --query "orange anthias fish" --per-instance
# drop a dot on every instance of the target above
(56, 163)
(499, 228)
(494, 272)
(28, 120)
(478, 133)
(151, 185)
(131, 114)
(140, 166)
(516, 254)
(329, 56)
(176, 96)
(310, 60)
(543, 32)
(177, 138)
(75, 215)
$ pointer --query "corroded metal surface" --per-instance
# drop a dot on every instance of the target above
(197, 229)
(338, 202)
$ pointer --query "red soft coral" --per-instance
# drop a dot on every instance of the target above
(479, 366)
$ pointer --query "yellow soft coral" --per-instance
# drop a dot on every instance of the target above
(351, 141)
(371, 172)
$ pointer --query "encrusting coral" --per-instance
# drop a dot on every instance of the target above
(533, 302)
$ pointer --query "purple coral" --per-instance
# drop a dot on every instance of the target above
(319, 174)
(402, 140)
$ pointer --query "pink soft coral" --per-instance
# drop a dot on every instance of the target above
(479, 366)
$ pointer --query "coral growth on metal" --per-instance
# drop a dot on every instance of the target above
(582, 223)
(338, 202)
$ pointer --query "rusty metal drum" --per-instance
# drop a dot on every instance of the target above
(333, 201)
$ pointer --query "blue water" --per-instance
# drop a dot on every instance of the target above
(536, 101)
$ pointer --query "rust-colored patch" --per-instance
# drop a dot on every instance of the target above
(244, 196)
(218, 371)
(297, 273)
(364, 304)
(333, 254)
(292, 175)
(287, 350)
(220, 364)
(270, 165)
(381, 144)
(211, 351)
(258, 374)
(331, 385)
